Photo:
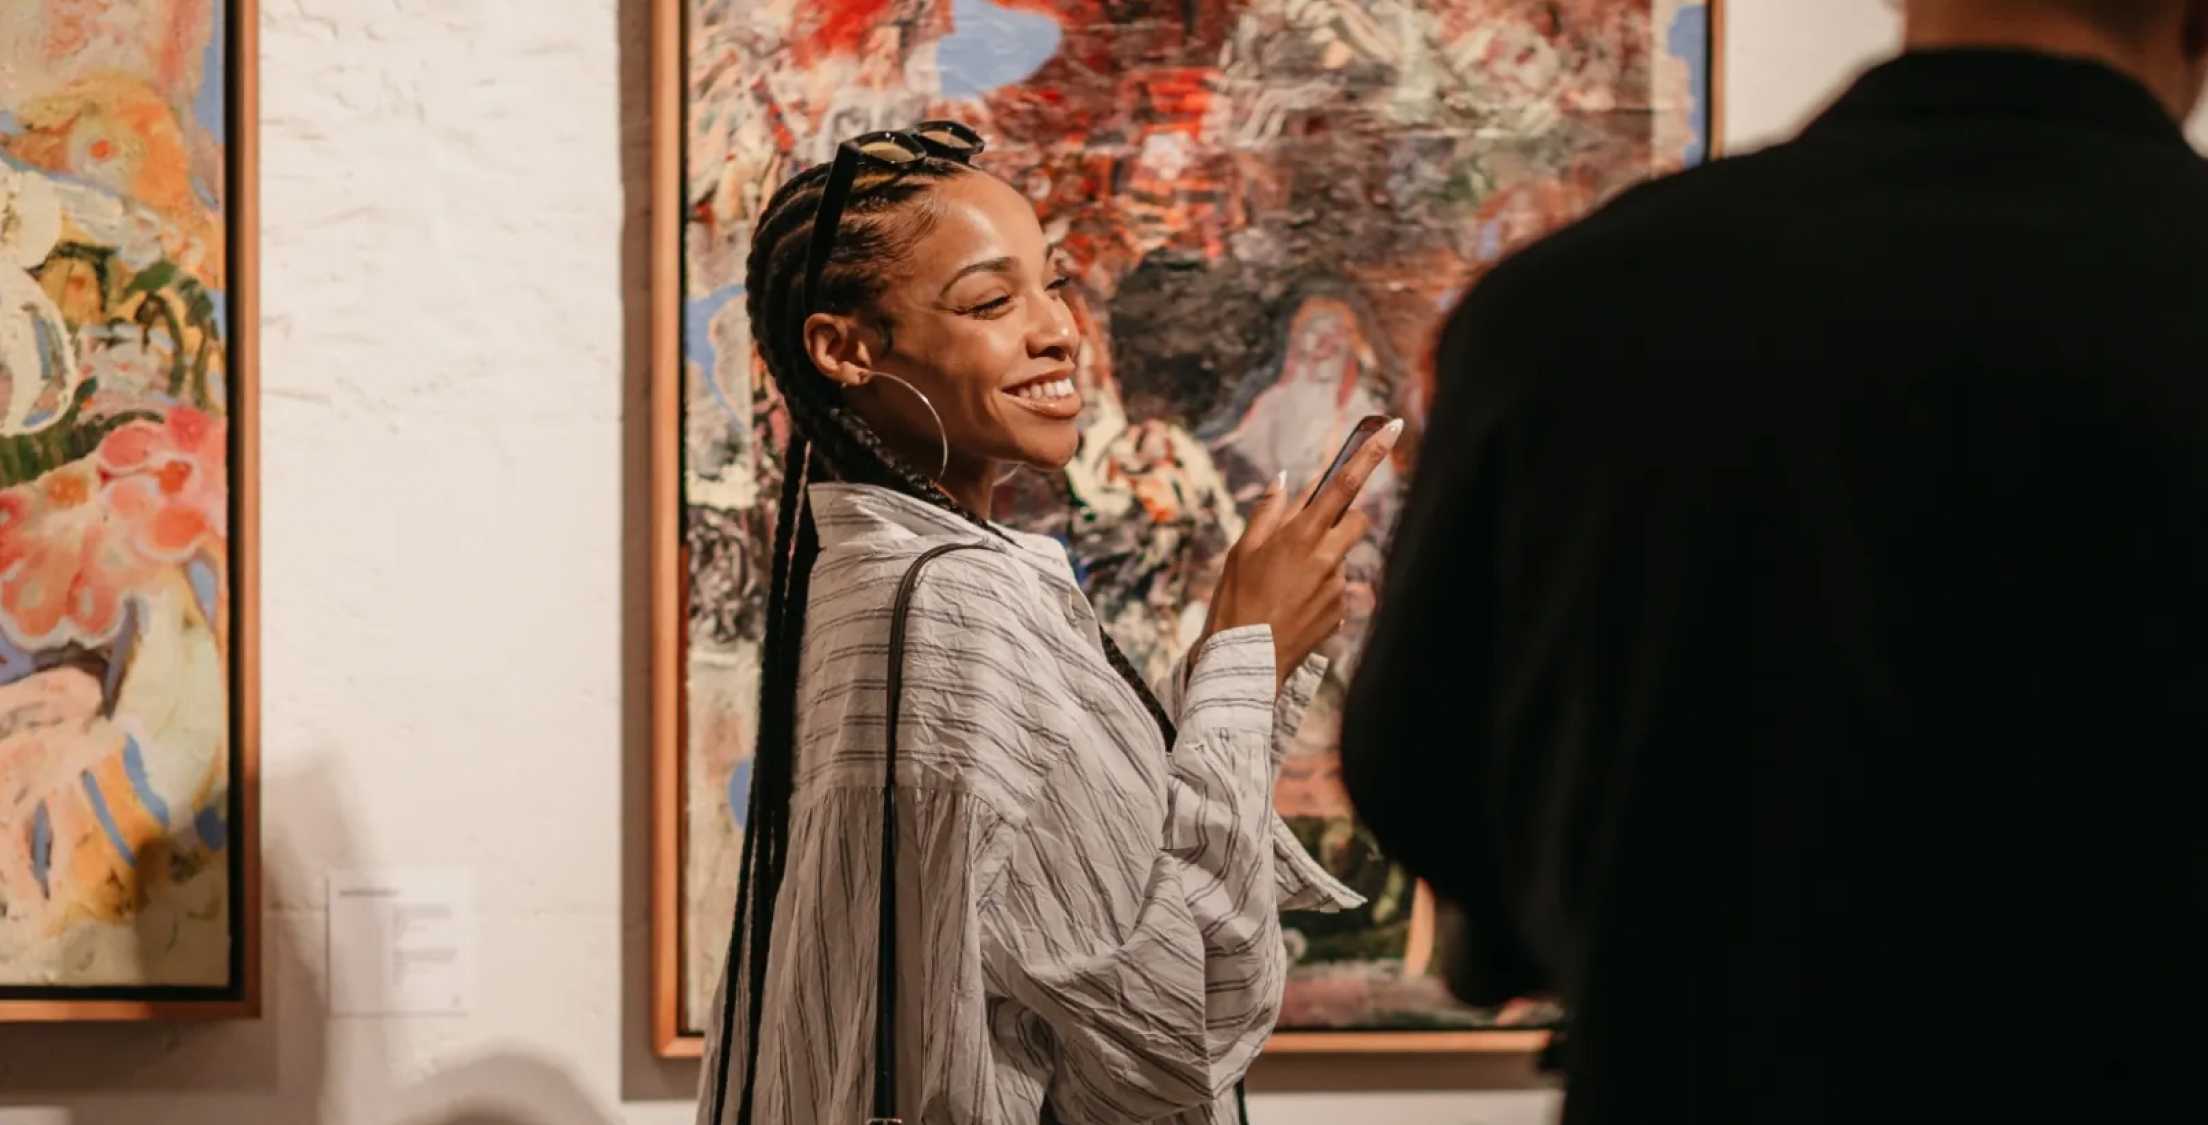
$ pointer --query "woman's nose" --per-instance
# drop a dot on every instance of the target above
(1054, 334)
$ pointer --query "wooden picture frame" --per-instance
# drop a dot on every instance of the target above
(669, 568)
(240, 996)
(669, 583)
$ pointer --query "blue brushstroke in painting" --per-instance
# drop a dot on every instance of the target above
(213, 830)
(107, 819)
(739, 791)
(209, 105)
(991, 46)
(697, 344)
(14, 662)
(134, 765)
(1689, 42)
(42, 848)
(1490, 245)
(48, 345)
(118, 658)
(205, 582)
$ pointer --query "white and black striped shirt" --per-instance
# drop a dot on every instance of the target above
(1082, 916)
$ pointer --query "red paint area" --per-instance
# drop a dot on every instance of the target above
(839, 27)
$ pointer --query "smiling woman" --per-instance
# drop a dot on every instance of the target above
(1103, 867)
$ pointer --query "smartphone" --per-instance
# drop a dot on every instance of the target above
(1362, 433)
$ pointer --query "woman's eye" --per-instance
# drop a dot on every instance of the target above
(1059, 284)
(993, 305)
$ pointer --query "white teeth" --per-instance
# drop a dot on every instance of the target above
(1056, 388)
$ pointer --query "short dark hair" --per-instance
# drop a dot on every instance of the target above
(2128, 18)
(2125, 17)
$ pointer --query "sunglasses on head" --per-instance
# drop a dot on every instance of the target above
(891, 149)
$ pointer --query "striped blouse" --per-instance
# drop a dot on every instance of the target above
(1083, 918)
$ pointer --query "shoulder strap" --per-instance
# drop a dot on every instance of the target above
(885, 1000)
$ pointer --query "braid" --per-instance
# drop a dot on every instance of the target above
(767, 806)
(828, 441)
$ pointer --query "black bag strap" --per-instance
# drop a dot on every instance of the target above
(885, 998)
(885, 978)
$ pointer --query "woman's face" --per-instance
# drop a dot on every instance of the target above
(979, 324)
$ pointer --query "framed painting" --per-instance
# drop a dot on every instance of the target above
(1268, 206)
(128, 676)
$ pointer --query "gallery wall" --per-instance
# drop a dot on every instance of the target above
(454, 570)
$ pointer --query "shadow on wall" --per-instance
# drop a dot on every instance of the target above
(284, 1068)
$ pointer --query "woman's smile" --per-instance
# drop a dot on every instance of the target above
(1051, 395)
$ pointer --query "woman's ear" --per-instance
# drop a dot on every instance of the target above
(839, 348)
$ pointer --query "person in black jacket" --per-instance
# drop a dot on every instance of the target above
(1794, 649)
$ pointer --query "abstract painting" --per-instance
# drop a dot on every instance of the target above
(124, 510)
(1267, 206)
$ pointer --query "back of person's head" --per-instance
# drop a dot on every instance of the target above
(2121, 17)
(2130, 17)
(2161, 43)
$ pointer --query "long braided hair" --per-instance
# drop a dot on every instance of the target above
(886, 214)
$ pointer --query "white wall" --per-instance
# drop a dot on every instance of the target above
(453, 587)
(1785, 60)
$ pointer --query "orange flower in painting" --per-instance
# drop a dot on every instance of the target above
(62, 574)
(115, 132)
(165, 483)
(77, 541)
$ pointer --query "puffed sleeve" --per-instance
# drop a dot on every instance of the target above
(1303, 882)
(1170, 1013)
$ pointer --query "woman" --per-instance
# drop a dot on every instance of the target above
(1088, 875)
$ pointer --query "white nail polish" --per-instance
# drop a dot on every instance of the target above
(1280, 481)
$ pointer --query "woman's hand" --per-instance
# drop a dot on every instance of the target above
(1286, 570)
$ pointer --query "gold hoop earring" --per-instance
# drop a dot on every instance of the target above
(942, 434)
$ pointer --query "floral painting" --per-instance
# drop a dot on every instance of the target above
(1268, 206)
(117, 841)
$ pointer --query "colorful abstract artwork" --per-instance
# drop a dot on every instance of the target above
(120, 835)
(1268, 206)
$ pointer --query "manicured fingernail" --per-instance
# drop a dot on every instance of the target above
(1392, 431)
(1280, 482)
